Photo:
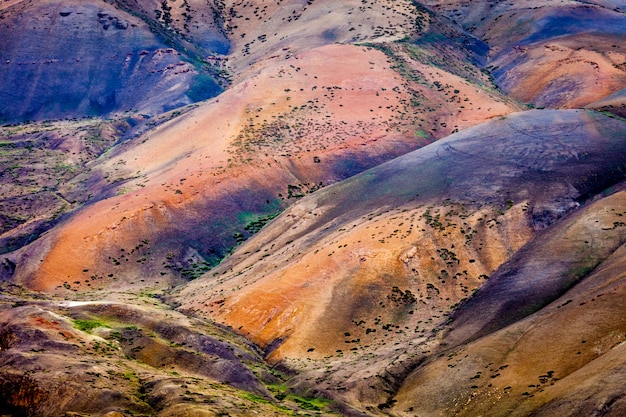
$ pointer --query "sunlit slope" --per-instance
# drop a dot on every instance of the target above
(563, 54)
(544, 336)
(173, 202)
(390, 252)
(262, 30)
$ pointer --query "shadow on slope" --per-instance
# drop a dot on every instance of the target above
(323, 268)
(77, 59)
(550, 55)
(542, 332)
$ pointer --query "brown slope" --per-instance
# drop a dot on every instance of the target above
(311, 120)
(552, 362)
(374, 265)
(563, 55)
(131, 356)
(260, 30)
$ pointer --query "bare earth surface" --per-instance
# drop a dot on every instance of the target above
(359, 208)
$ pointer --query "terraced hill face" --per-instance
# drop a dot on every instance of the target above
(364, 218)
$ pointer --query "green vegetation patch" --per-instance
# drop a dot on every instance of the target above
(306, 403)
(89, 325)
(256, 225)
(316, 404)
(254, 398)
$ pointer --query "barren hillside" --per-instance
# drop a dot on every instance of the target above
(290, 207)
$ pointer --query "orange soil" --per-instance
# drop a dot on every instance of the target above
(197, 147)
(310, 300)
(562, 75)
(346, 95)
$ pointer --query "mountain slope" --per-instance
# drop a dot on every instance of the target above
(551, 54)
(131, 356)
(311, 207)
(303, 122)
(65, 59)
(549, 332)
(382, 272)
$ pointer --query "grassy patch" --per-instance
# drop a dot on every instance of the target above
(254, 398)
(421, 134)
(306, 403)
(315, 404)
(257, 224)
(89, 325)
